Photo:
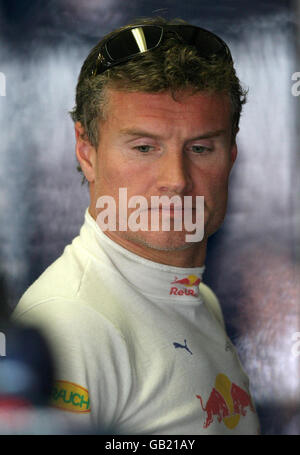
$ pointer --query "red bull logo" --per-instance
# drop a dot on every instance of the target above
(227, 402)
(188, 282)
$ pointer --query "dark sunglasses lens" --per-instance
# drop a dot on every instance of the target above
(206, 43)
(133, 41)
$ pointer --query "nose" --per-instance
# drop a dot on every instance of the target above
(173, 175)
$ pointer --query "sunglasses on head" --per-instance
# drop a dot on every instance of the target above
(139, 39)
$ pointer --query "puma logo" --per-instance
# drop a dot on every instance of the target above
(183, 346)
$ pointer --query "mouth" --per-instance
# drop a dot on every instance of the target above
(172, 212)
(172, 209)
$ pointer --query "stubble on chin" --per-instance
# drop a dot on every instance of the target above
(158, 243)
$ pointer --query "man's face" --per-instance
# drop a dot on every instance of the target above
(154, 146)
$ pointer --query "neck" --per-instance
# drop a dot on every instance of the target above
(188, 255)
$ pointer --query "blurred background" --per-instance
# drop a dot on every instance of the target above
(253, 261)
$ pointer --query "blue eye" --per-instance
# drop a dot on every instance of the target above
(200, 149)
(143, 148)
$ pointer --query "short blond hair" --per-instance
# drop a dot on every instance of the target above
(173, 66)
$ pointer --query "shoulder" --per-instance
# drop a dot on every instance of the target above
(67, 322)
(79, 338)
(212, 302)
(91, 358)
(61, 279)
(82, 340)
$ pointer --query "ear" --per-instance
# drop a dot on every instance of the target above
(233, 150)
(233, 153)
(85, 153)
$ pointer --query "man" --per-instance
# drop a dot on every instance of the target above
(139, 340)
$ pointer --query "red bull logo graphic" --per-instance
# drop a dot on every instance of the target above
(188, 282)
(227, 402)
